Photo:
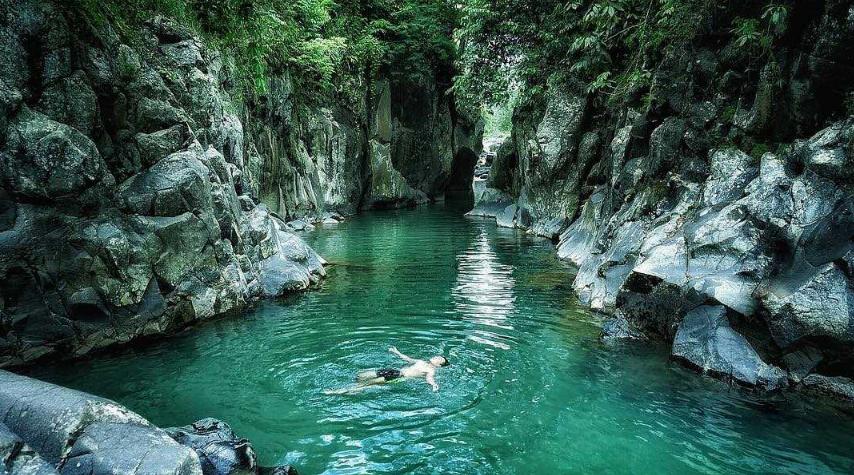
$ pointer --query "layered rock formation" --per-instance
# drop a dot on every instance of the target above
(400, 143)
(143, 190)
(127, 209)
(720, 214)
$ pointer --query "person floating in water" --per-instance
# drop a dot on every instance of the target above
(416, 369)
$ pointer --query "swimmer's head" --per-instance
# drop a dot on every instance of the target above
(438, 361)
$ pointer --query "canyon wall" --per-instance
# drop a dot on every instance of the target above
(718, 214)
(143, 190)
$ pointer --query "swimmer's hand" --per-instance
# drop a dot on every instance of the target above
(432, 381)
(400, 355)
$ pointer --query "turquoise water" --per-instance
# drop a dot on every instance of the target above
(530, 390)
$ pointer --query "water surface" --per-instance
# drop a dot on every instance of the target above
(530, 389)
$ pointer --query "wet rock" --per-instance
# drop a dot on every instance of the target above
(300, 225)
(802, 362)
(551, 228)
(507, 217)
(837, 387)
(579, 239)
(106, 447)
(706, 340)
(220, 451)
(618, 328)
(490, 203)
(820, 306)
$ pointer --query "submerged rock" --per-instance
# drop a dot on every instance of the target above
(618, 328)
(706, 340)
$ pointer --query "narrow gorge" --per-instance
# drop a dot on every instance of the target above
(225, 210)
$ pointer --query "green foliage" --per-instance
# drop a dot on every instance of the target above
(606, 48)
(603, 46)
(757, 35)
(328, 46)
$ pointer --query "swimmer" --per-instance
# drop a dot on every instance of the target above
(416, 369)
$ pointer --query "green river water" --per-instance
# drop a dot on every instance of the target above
(531, 389)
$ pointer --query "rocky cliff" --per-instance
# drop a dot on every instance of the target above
(717, 213)
(143, 190)
(399, 143)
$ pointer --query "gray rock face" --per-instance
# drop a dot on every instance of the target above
(400, 147)
(732, 170)
(19, 458)
(124, 203)
(820, 307)
(81, 434)
(680, 204)
(706, 341)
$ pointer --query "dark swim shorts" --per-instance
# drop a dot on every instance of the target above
(388, 374)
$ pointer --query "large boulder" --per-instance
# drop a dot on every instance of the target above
(820, 306)
(732, 170)
(49, 161)
(83, 434)
(705, 340)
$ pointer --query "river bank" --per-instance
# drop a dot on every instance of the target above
(526, 358)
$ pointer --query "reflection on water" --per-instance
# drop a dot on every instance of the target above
(484, 294)
(530, 388)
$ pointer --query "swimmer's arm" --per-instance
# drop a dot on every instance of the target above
(401, 355)
(432, 381)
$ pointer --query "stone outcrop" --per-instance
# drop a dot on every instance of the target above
(144, 190)
(47, 429)
(718, 217)
(399, 144)
(127, 202)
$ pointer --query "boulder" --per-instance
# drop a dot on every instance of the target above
(82, 434)
(50, 161)
(507, 217)
(176, 184)
(300, 225)
(220, 451)
(705, 340)
(109, 447)
(819, 306)
(489, 203)
(732, 170)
